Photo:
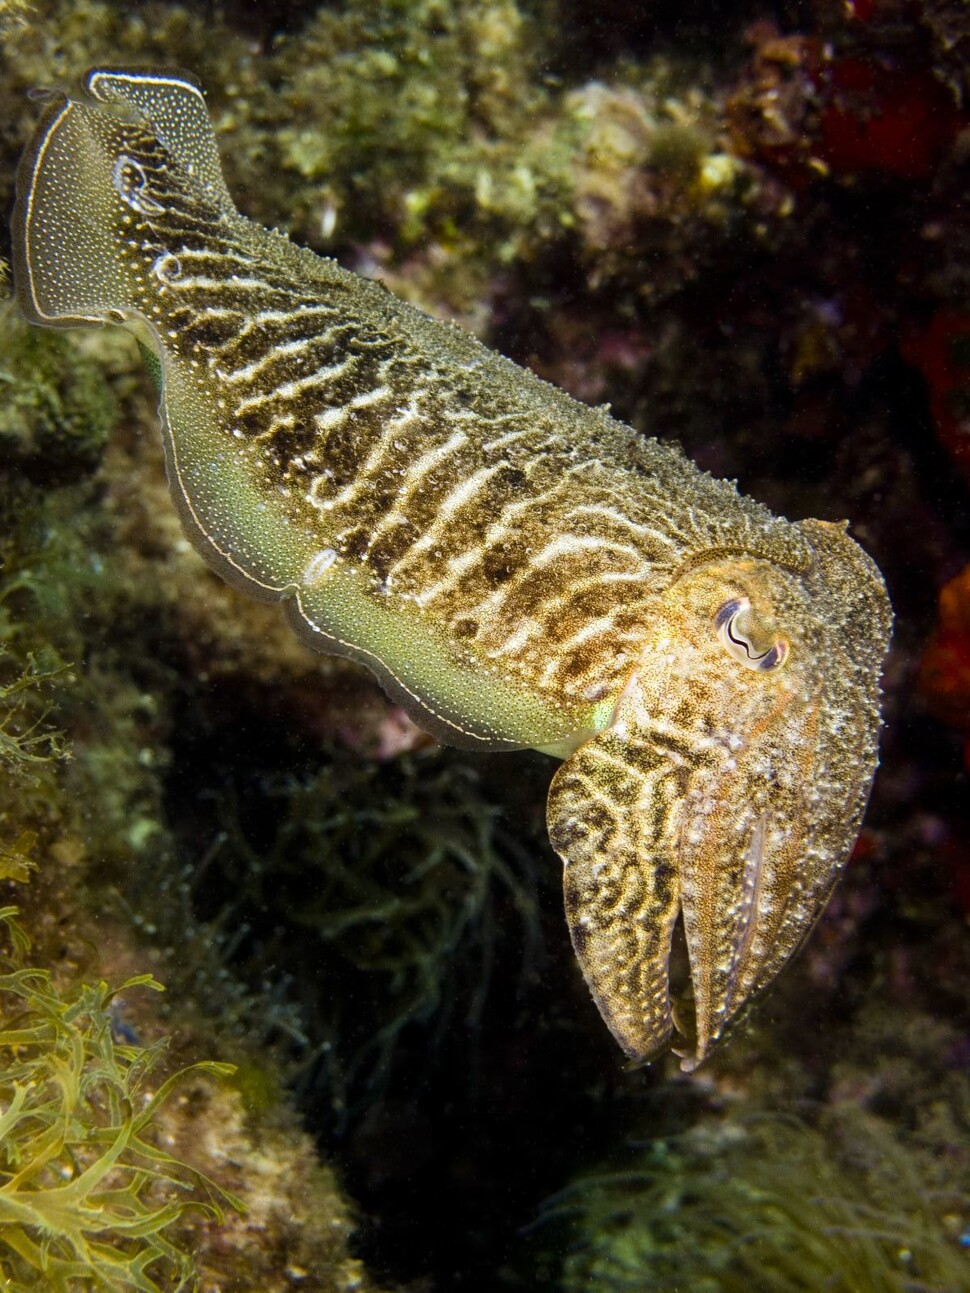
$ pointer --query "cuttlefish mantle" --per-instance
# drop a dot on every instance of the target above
(517, 569)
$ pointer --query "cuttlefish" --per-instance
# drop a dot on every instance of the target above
(519, 570)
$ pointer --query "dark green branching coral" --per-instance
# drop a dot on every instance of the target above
(87, 1200)
(772, 1205)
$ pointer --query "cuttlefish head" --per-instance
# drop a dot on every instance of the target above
(728, 787)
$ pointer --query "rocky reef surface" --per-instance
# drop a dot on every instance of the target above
(746, 228)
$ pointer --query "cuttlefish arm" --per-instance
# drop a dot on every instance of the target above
(610, 812)
(727, 789)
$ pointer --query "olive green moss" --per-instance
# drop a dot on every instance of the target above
(56, 410)
(435, 135)
(420, 120)
(54, 416)
(59, 594)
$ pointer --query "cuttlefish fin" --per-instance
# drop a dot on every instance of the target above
(611, 812)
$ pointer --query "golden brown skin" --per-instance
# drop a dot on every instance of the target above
(516, 568)
(741, 788)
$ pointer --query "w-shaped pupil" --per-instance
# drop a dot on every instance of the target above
(738, 642)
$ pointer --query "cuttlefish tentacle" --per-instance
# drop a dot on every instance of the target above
(517, 569)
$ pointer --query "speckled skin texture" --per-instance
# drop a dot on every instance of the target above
(517, 568)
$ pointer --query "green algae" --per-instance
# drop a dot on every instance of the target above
(417, 125)
(56, 410)
(767, 1203)
(88, 1199)
(397, 883)
(29, 747)
(442, 135)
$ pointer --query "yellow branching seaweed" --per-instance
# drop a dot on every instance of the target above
(87, 1199)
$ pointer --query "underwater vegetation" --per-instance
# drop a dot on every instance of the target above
(56, 410)
(737, 232)
(767, 1203)
(431, 121)
(27, 747)
(50, 402)
(88, 1198)
(392, 881)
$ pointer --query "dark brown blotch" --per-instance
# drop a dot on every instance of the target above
(465, 627)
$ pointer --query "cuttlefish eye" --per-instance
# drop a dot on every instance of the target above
(738, 630)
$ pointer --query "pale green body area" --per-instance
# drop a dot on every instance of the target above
(518, 570)
(253, 539)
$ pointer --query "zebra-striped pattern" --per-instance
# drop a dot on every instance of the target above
(533, 531)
